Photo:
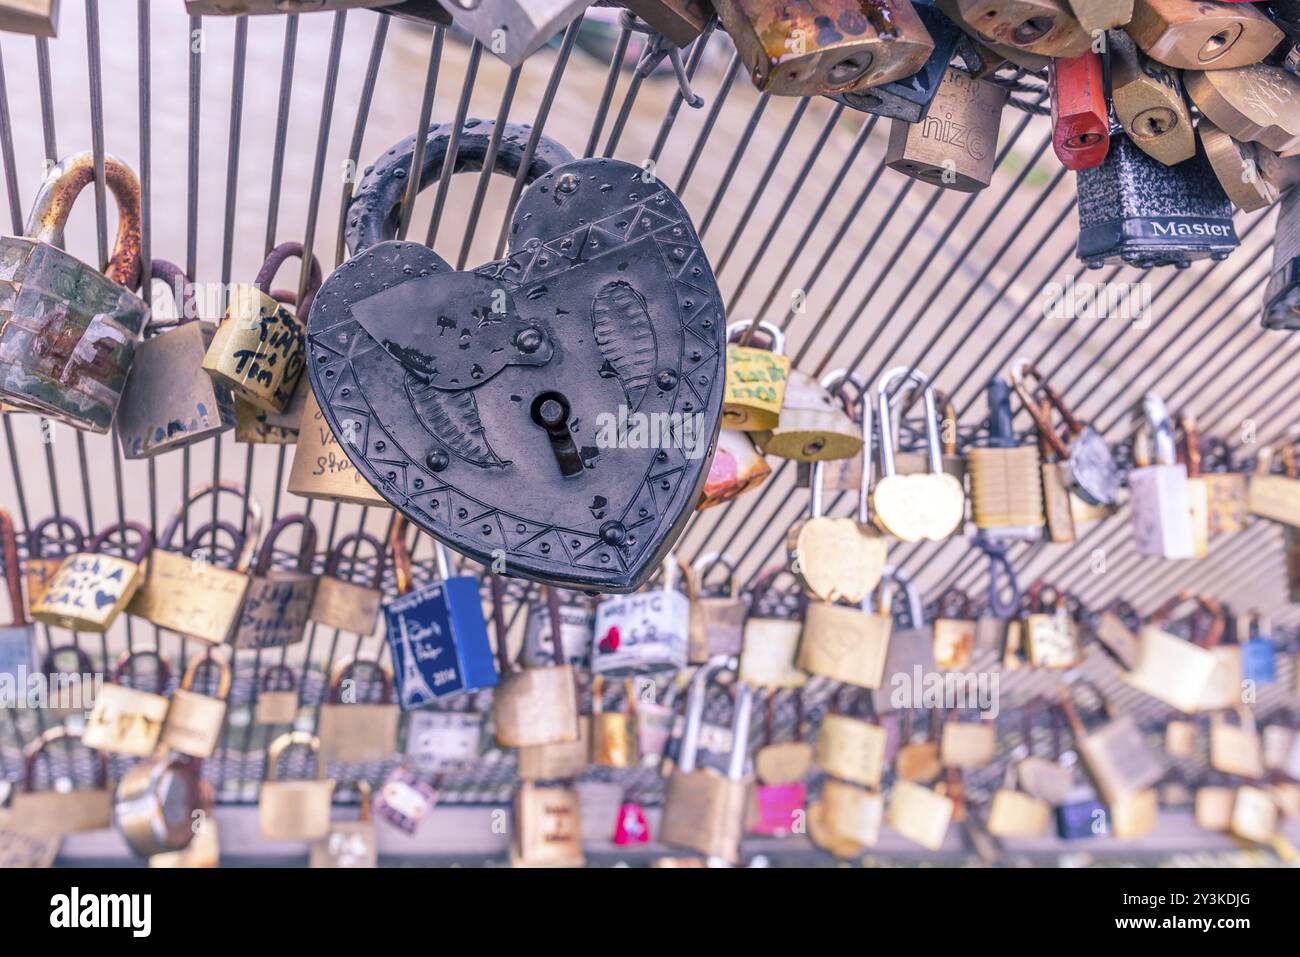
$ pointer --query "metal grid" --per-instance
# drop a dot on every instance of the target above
(791, 199)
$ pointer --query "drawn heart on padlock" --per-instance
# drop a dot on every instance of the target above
(611, 641)
(103, 598)
(917, 506)
(554, 409)
(859, 558)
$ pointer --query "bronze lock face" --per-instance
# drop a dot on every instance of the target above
(1044, 27)
(1148, 100)
(955, 146)
(1236, 166)
(1201, 34)
(1256, 103)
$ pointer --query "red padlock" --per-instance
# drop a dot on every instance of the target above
(1080, 129)
(631, 827)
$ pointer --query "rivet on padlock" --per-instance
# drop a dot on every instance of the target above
(1080, 128)
(1148, 99)
(955, 145)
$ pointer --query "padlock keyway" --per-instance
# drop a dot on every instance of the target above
(551, 411)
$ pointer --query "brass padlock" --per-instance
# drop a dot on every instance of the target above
(717, 619)
(1044, 27)
(38, 18)
(1253, 103)
(919, 814)
(1275, 497)
(294, 810)
(1172, 669)
(562, 761)
(257, 351)
(955, 145)
(756, 378)
(260, 427)
(681, 21)
(1254, 815)
(1202, 34)
(195, 721)
(185, 593)
(846, 643)
(1236, 166)
(1005, 481)
(954, 630)
(53, 813)
(349, 843)
(169, 402)
(825, 46)
(613, 733)
(40, 567)
(126, 720)
(846, 819)
(1117, 631)
(90, 589)
(1015, 813)
(783, 762)
(737, 467)
(813, 426)
(1094, 15)
(548, 827)
(919, 760)
(67, 331)
(347, 605)
(279, 602)
(968, 745)
(1044, 778)
(1049, 633)
(321, 468)
(1148, 100)
(351, 726)
(1116, 755)
(277, 705)
(1236, 749)
(531, 706)
(849, 748)
(772, 639)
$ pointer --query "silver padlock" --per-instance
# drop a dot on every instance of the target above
(1162, 511)
(514, 29)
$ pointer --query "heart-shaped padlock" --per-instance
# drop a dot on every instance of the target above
(554, 408)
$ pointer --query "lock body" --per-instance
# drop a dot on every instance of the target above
(681, 21)
(954, 146)
(1043, 27)
(1162, 514)
(1006, 491)
(1202, 34)
(321, 467)
(1236, 164)
(1282, 311)
(257, 351)
(1080, 128)
(755, 388)
(1256, 103)
(1149, 103)
(813, 427)
(736, 467)
(514, 29)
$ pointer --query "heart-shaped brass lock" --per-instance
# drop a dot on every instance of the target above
(553, 409)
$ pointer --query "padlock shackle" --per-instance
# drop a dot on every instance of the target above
(762, 584)
(253, 524)
(1022, 369)
(1210, 606)
(1159, 428)
(746, 328)
(954, 597)
(125, 659)
(96, 544)
(210, 530)
(36, 540)
(36, 747)
(834, 382)
(695, 701)
(277, 257)
(1189, 444)
(224, 674)
(13, 577)
(291, 739)
(64, 181)
(345, 667)
(374, 214)
(884, 400)
(397, 543)
(709, 561)
(274, 670)
(1002, 430)
(306, 548)
(83, 659)
(996, 552)
(173, 277)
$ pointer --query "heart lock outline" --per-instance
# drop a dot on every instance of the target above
(474, 402)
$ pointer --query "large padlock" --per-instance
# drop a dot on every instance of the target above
(53, 813)
(169, 402)
(1136, 210)
(441, 431)
(954, 146)
(840, 558)
(577, 630)
(1238, 168)
(257, 351)
(321, 467)
(756, 378)
(772, 636)
(436, 633)
(846, 643)
(793, 49)
(1250, 103)
(68, 332)
(704, 810)
(1175, 670)
(1044, 27)
(195, 721)
(158, 802)
(644, 632)
(1149, 102)
(189, 595)
(126, 720)
(614, 742)
(532, 706)
(1080, 124)
(928, 505)
(278, 604)
(1161, 506)
(548, 827)
(1202, 34)
(1115, 753)
(40, 565)
(17, 639)
(349, 844)
(1005, 482)
(90, 588)
(1088, 467)
(348, 605)
(294, 810)
(1282, 293)
(717, 618)
(737, 466)
(813, 426)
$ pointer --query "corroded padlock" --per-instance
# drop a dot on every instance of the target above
(1043, 27)
(1202, 34)
(1237, 166)
(1080, 128)
(1149, 103)
(68, 332)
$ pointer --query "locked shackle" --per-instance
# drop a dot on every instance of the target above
(126, 662)
(306, 548)
(775, 337)
(711, 560)
(36, 747)
(142, 549)
(224, 674)
(36, 538)
(275, 259)
(1189, 443)
(1022, 369)
(253, 525)
(291, 739)
(13, 579)
(695, 700)
(270, 675)
(374, 214)
(187, 304)
(335, 557)
(884, 605)
(834, 382)
(346, 667)
(210, 530)
(1160, 429)
(670, 566)
(885, 401)
(65, 180)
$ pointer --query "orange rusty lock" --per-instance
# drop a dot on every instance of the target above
(1080, 130)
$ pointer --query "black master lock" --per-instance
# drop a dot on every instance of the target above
(1133, 209)
(555, 409)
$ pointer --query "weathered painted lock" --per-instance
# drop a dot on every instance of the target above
(555, 407)
(514, 29)
(67, 331)
(1080, 126)
(825, 46)
(1134, 209)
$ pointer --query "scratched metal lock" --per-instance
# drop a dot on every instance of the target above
(38, 18)
(68, 332)
(1134, 209)
(1043, 27)
(1254, 104)
(514, 29)
(1202, 34)
(1149, 102)
(169, 402)
(258, 350)
(955, 145)
(278, 603)
(909, 98)
(825, 46)
(322, 467)
(504, 436)
(1080, 126)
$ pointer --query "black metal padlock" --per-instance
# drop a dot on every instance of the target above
(1134, 209)
(552, 410)
(909, 99)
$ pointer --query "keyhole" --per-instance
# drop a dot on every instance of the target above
(1032, 29)
(550, 410)
(848, 70)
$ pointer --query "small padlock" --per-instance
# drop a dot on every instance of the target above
(737, 467)
(845, 820)
(1202, 34)
(321, 467)
(260, 427)
(1254, 815)
(717, 618)
(1253, 103)
(1045, 778)
(1236, 749)
(294, 809)
(851, 748)
(1282, 294)
(40, 567)
(532, 706)
(647, 631)
(1080, 125)
(278, 603)
(772, 638)
(126, 720)
(68, 332)
(548, 827)
(276, 705)
(968, 745)
(825, 46)
(195, 721)
(352, 727)
(90, 588)
(347, 605)
(954, 146)
(1049, 634)
(919, 813)
(1015, 813)
(514, 29)
(1149, 103)
(813, 426)
(1162, 513)
(577, 627)
(681, 21)
(919, 760)
(756, 378)
(614, 741)
(1116, 629)
(1237, 167)
(1043, 27)
(954, 630)
(1226, 493)
(846, 643)
(1005, 480)
(1258, 653)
